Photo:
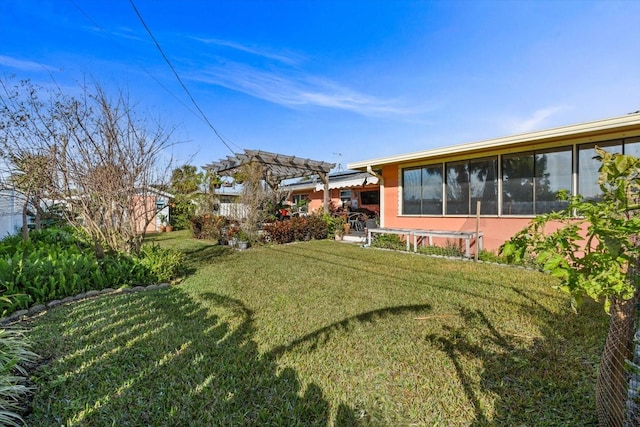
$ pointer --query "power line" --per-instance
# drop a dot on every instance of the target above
(178, 76)
(92, 21)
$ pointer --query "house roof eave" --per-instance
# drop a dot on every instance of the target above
(630, 121)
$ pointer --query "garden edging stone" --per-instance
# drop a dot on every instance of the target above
(36, 309)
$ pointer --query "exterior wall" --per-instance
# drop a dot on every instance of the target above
(146, 209)
(316, 198)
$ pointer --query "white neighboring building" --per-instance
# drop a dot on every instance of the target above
(228, 203)
(11, 203)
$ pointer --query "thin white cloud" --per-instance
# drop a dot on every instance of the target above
(536, 121)
(121, 32)
(289, 59)
(297, 90)
(22, 65)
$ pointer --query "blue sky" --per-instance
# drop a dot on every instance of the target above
(338, 81)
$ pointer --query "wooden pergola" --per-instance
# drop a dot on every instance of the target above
(276, 168)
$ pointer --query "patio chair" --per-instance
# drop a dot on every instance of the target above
(370, 223)
(355, 221)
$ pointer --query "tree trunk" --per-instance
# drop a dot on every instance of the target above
(25, 225)
(611, 388)
(38, 217)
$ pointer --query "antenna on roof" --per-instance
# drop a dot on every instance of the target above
(339, 167)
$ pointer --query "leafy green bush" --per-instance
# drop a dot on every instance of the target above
(389, 241)
(297, 229)
(54, 264)
(489, 256)
(165, 264)
(279, 232)
(43, 272)
(333, 224)
(117, 270)
(450, 248)
(210, 227)
(14, 354)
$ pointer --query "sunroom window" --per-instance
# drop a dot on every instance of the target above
(469, 182)
(531, 181)
(422, 190)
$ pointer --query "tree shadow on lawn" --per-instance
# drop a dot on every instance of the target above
(547, 380)
(159, 358)
(324, 334)
(346, 416)
(203, 255)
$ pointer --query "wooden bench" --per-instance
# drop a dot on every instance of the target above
(415, 234)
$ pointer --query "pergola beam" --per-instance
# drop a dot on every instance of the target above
(277, 168)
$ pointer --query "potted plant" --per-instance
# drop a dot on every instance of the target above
(243, 240)
(336, 225)
(232, 235)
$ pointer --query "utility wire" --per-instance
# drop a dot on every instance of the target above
(178, 76)
(92, 21)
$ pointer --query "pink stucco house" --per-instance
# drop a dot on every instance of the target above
(513, 177)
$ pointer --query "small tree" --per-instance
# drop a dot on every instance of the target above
(33, 175)
(104, 158)
(592, 248)
(253, 197)
(258, 197)
(193, 194)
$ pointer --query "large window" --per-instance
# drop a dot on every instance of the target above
(531, 181)
(588, 166)
(469, 182)
(422, 190)
(632, 147)
(370, 197)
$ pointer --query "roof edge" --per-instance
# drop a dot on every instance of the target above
(632, 119)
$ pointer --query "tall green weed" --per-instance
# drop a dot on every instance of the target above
(14, 355)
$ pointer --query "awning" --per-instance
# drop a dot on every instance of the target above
(349, 183)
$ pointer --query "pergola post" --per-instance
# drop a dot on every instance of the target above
(325, 181)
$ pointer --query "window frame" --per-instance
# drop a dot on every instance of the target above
(432, 166)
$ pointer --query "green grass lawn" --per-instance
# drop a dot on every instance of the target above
(321, 333)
